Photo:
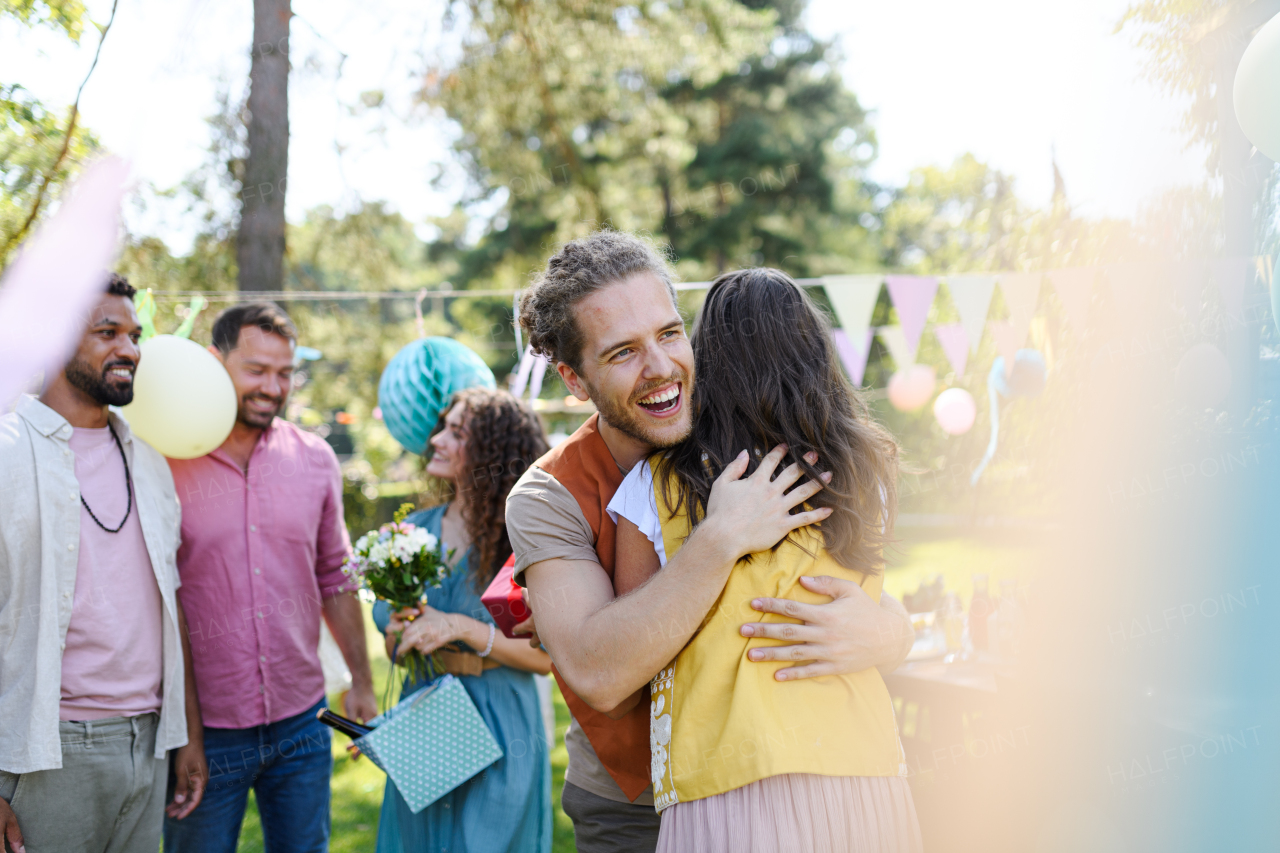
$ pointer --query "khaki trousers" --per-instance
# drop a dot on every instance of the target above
(108, 796)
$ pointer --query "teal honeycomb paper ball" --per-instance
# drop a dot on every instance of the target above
(418, 382)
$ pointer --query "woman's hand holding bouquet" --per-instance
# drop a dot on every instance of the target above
(398, 562)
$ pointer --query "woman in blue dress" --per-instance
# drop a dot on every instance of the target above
(481, 446)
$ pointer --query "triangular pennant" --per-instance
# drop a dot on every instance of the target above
(894, 338)
(1021, 293)
(972, 297)
(1074, 286)
(912, 295)
(955, 343)
(854, 359)
(1008, 340)
(1231, 276)
(854, 298)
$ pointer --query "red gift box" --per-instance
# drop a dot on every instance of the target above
(504, 601)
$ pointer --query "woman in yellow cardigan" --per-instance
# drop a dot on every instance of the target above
(741, 763)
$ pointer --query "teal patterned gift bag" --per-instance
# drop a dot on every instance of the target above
(431, 743)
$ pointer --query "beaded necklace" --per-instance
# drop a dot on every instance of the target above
(128, 486)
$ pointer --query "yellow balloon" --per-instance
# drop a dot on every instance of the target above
(184, 404)
(1256, 93)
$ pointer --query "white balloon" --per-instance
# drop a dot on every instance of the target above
(1256, 93)
(184, 404)
(955, 411)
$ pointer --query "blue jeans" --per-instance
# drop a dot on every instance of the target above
(288, 765)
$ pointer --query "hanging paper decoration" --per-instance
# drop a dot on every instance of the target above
(955, 411)
(1025, 378)
(955, 344)
(1021, 293)
(853, 297)
(853, 357)
(418, 382)
(1073, 287)
(972, 297)
(1204, 376)
(1231, 275)
(912, 295)
(896, 341)
(535, 382)
(521, 380)
(911, 387)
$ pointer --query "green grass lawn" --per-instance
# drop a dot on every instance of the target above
(920, 554)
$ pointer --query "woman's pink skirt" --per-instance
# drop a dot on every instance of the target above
(798, 812)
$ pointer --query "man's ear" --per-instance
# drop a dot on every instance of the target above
(573, 381)
(217, 353)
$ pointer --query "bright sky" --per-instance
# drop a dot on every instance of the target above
(1004, 79)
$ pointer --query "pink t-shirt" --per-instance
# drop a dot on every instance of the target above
(112, 664)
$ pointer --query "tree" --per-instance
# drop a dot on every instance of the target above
(778, 179)
(260, 244)
(564, 120)
(38, 152)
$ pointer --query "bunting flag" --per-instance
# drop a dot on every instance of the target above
(1021, 293)
(912, 295)
(539, 370)
(896, 341)
(1231, 275)
(853, 357)
(972, 297)
(1009, 340)
(955, 343)
(1073, 287)
(854, 299)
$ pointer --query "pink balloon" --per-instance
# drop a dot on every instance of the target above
(911, 387)
(955, 411)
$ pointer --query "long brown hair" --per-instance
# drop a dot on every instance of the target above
(765, 374)
(503, 438)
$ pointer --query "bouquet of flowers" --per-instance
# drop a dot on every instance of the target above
(398, 562)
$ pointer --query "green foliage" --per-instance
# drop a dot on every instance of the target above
(1185, 44)
(31, 135)
(722, 127)
(68, 16)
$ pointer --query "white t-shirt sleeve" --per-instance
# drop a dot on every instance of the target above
(636, 502)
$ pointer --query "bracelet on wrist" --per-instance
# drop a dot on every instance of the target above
(489, 646)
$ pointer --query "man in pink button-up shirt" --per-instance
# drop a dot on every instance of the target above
(263, 543)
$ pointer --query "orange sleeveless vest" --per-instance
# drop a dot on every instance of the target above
(583, 465)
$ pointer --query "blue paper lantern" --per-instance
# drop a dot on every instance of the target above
(418, 382)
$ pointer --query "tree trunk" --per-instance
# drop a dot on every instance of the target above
(260, 242)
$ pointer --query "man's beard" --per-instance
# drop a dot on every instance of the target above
(96, 385)
(258, 420)
(622, 418)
